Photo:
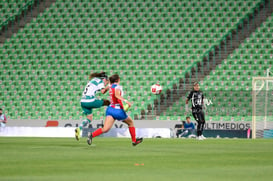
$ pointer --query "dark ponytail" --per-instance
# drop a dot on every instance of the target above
(114, 78)
(101, 75)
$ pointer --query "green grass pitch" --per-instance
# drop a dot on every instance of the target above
(114, 159)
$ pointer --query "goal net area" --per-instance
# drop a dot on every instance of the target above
(262, 107)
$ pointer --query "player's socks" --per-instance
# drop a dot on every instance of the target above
(132, 131)
(97, 132)
(84, 123)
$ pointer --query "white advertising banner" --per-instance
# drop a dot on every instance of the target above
(210, 125)
(70, 132)
(37, 131)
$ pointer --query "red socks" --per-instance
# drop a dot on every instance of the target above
(97, 132)
(132, 131)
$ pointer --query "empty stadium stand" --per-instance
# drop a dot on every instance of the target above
(46, 64)
(229, 86)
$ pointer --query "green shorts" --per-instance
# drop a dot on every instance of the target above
(88, 106)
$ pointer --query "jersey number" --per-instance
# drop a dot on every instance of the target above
(86, 88)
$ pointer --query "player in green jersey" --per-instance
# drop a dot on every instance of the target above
(97, 82)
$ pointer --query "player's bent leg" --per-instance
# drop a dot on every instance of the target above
(131, 127)
(109, 121)
(132, 130)
(129, 121)
(78, 130)
(89, 118)
(87, 110)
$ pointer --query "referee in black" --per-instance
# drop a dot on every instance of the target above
(196, 96)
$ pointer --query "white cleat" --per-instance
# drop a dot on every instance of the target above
(203, 137)
(199, 138)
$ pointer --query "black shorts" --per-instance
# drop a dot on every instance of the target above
(198, 115)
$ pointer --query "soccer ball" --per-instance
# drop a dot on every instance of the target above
(156, 89)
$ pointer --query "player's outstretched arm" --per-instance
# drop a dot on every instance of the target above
(117, 95)
(104, 90)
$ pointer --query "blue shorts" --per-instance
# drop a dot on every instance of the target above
(117, 114)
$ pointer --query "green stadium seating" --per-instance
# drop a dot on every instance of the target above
(146, 42)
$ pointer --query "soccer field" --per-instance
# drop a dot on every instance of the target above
(114, 159)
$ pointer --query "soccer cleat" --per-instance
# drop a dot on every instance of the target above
(199, 138)
(77, 134)
(138, 140)
(203, 137)
(192, 136)
(89, 138)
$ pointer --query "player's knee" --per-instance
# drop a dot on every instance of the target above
(90, 117)
(106, 102)
(105, 130)
(129, 122)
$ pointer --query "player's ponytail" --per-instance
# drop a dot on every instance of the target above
(114, 78)
(101, 75)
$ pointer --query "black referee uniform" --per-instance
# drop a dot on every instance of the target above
(196, 98)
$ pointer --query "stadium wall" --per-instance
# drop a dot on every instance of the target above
(69, 132)
(145, 128)
(210, 125)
